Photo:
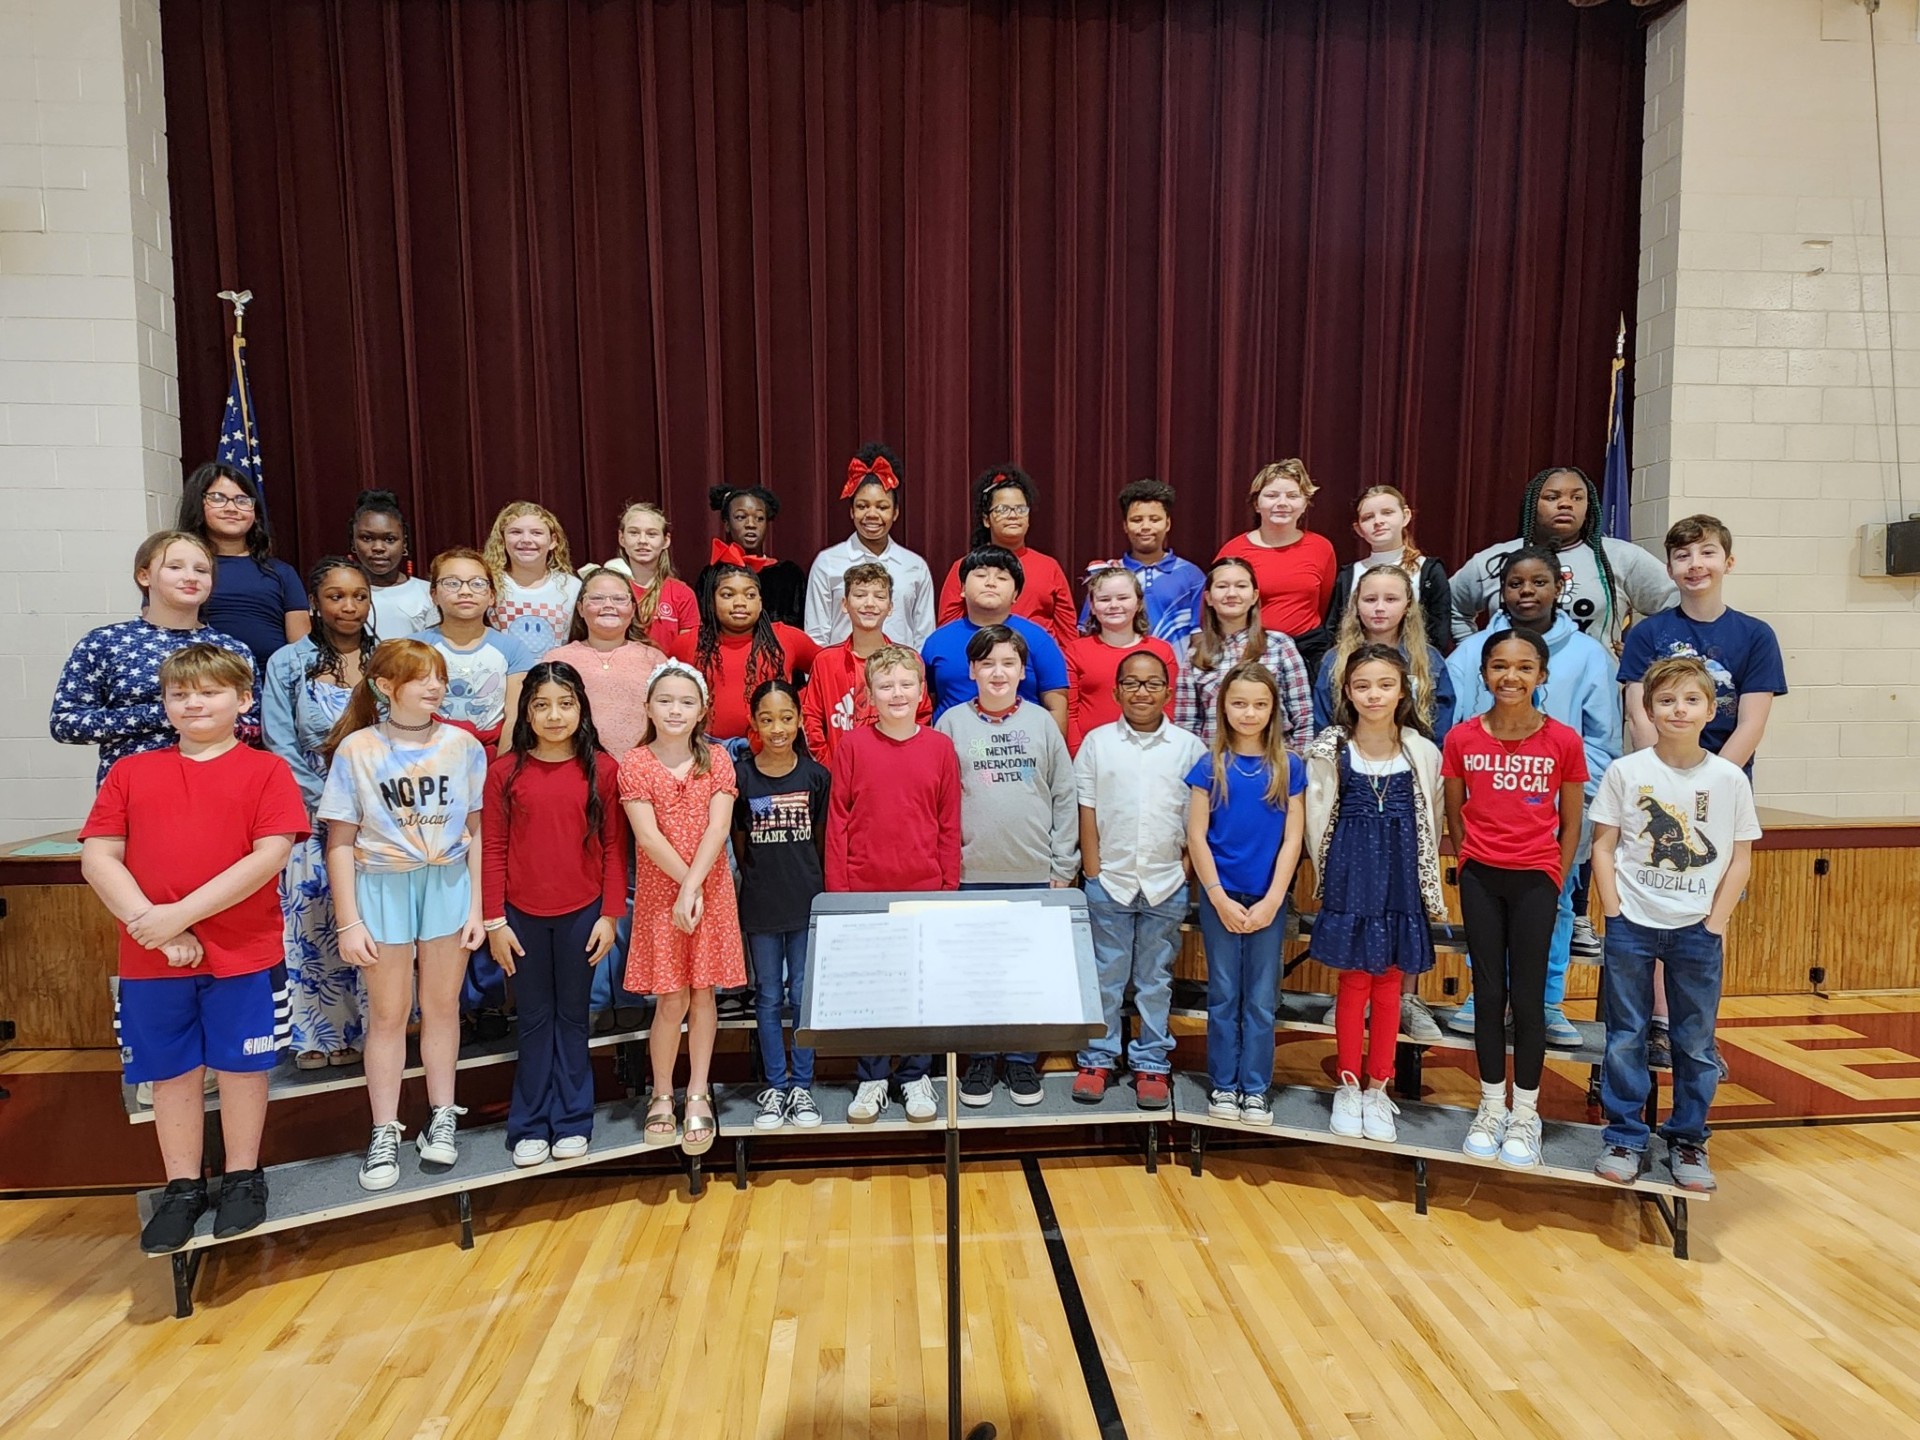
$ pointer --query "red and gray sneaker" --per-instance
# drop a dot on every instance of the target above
(1689, 1166)
(1621, 1165)
(1090, 1085)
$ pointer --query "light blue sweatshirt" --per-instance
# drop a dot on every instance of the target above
(1582, 689)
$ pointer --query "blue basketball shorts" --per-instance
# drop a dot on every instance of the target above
(170, 1026)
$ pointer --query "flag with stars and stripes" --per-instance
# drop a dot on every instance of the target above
(239, 438)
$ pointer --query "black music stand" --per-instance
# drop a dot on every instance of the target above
(840, 1030)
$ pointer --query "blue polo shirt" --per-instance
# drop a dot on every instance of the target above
(1741, 653)
(1171, 590)
(950, 681)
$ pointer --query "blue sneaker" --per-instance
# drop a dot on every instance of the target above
(1561, 1033)
(1489, 1130)
(1461, 1021)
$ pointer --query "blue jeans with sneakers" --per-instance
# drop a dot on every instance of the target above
(1243, 987)
(1693, 957)
(1136, 943)
(779, 980)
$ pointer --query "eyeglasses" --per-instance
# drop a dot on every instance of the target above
(218, 501)
(453, 584)
(1009, 512)
(608, 602)
(1131, 686)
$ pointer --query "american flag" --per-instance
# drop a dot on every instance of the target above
(239, 438)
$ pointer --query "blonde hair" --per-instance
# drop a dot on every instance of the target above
(1209, 641)
(559, 561)
(1115, 572)
(195, 665)
(577, 630)
(154, 548)
(895, 657)
(649, 605)
(1294, 470)
(1410, 556)
(395, 661)
(1412, 640)
(701, 747)
(1273, 744)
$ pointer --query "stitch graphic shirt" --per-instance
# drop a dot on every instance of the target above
(411, 802)
(1677, 833)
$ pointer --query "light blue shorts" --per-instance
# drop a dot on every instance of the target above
(403, 906)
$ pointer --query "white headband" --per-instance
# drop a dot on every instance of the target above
(679, 667)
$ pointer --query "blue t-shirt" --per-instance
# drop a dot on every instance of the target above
(950, 679)
(1244, 832)
(1742, 654)
(477, 676)
(251, 604)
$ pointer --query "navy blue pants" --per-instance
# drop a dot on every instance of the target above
(553, 1082)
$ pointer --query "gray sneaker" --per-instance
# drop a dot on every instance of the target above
(1417, 1022)
(1659, 1048)
(1689, 1166)
(1332, 1017)
(1621, 1165)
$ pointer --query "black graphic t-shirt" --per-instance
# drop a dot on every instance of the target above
(779, 825)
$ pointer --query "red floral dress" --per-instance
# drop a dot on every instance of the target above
(662, 958)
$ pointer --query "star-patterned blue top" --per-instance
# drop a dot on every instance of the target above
(109, 689)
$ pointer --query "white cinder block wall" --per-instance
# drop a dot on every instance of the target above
(89, 409)
(1778, 339)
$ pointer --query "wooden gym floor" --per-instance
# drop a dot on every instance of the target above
(1288, 1291)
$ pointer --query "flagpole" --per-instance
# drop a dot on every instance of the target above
(240, 299)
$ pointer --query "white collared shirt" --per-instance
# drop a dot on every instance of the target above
(1136, 786)
(913, 594)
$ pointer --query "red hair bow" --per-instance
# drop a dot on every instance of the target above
(859, 472)
(725, 553)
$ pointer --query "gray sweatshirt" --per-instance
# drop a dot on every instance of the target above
(1642, 588)
(1019, 806)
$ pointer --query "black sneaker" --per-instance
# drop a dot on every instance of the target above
(1023, 1083)
(1659, 1048)
(976, 1086)
(490, 1024)
(243, 1203)
(175, 1214)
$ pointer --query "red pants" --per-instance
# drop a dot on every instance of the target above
(1356, 989)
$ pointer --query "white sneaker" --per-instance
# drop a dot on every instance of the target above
(1332, 1017)
(1488, 1130)
(1521, 1148)
(922, 1103)
(1376, 1116)
(868, 1101)
(529, 1153)
(381, 1169)
(1346, 1107)
(1417, 1022)
(570, 1147)
(1224, 1104)
(773, 1110)
(800, 1108)
(436, 1142)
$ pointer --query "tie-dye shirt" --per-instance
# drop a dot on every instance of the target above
(411, 802)
(477, 676)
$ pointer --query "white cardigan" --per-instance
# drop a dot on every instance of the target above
(1323, 807)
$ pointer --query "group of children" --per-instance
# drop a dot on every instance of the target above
(504, 769)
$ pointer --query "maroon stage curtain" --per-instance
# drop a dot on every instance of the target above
(581, 252)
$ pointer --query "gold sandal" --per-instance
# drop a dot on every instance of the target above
(698, 1137)
(660, 1127)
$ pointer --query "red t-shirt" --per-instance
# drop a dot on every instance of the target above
(1512, 810)
(893, 813)
(678, 612)
(836, 700)
(186, 821)
(1092, 668)
(534, 855)
(1046, 598)
(1296, 581)
(731, 719)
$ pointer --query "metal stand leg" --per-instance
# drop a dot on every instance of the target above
(1153, 1148)
(466, 1220)
(1196, 1144)
(1419, 1186)
(1406, 1071)
(955, 1425)
(740, 1164)
(186, 1269)
(1674, 1212)
(696, 1177)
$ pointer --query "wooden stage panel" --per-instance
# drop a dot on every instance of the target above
(58, 945)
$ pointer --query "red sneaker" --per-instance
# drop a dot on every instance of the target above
(1090, 1086)
(1151, 1090)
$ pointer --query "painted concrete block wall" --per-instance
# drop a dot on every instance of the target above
(1777, 372)
(89, 409)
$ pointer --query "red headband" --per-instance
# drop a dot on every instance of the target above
(726, 554)
(859, 473)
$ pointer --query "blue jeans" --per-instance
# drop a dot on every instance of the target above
(1693, 1000)
(881, 1067)
(779, 978)
(1134, 942)
(553, 1079)
(1243, 985)
(1028, 1056)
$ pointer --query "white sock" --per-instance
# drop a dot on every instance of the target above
(1493, 1092)
(1659, 1022)
(1526, 1099)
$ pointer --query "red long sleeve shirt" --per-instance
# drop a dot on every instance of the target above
(534, 855)
(893, 813)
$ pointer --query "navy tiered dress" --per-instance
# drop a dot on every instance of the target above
(1371, 917)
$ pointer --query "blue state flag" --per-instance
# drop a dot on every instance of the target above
(1616, 481)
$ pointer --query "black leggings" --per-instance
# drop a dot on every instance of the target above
(1509, 915)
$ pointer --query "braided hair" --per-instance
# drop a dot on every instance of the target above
(766, 656)
(1533, 533)
(326, 660)
(586, 740)
(1000, 477)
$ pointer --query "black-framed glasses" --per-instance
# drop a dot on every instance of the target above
(1131, 686)
(220, 501)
